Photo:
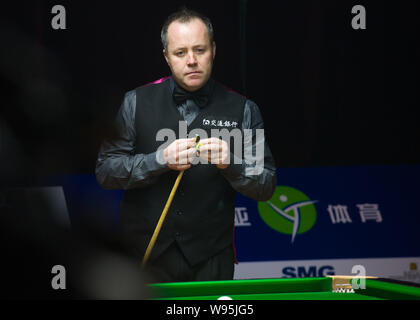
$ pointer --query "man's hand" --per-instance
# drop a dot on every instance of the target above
(215, 151)
(179, 154)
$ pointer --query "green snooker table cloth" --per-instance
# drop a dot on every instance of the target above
(324, 288)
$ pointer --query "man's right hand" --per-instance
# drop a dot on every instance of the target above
(179, 154)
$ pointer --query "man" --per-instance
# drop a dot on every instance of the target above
(196, 239)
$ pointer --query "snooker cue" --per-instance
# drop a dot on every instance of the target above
(162, 217)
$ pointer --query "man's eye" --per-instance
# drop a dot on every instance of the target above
(200, 50)
(179, 53)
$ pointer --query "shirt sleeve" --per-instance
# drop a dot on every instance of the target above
(118, 166)
(241, 174)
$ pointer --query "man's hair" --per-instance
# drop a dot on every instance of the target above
(185, 15)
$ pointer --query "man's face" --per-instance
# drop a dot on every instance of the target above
(189, 53)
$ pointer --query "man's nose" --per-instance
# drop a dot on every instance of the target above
(191, 59)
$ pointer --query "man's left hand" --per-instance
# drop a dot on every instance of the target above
(215, 151)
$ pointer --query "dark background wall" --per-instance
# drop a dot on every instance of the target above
(329, 95)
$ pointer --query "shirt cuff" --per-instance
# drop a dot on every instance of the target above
(234, 169)
(157, 162)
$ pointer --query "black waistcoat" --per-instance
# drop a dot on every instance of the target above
(201, 216)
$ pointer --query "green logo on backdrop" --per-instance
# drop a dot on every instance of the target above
(289, 211)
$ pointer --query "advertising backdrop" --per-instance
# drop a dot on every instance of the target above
(328, 219)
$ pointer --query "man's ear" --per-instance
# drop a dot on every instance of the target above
(214, 49)
(166, 56)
